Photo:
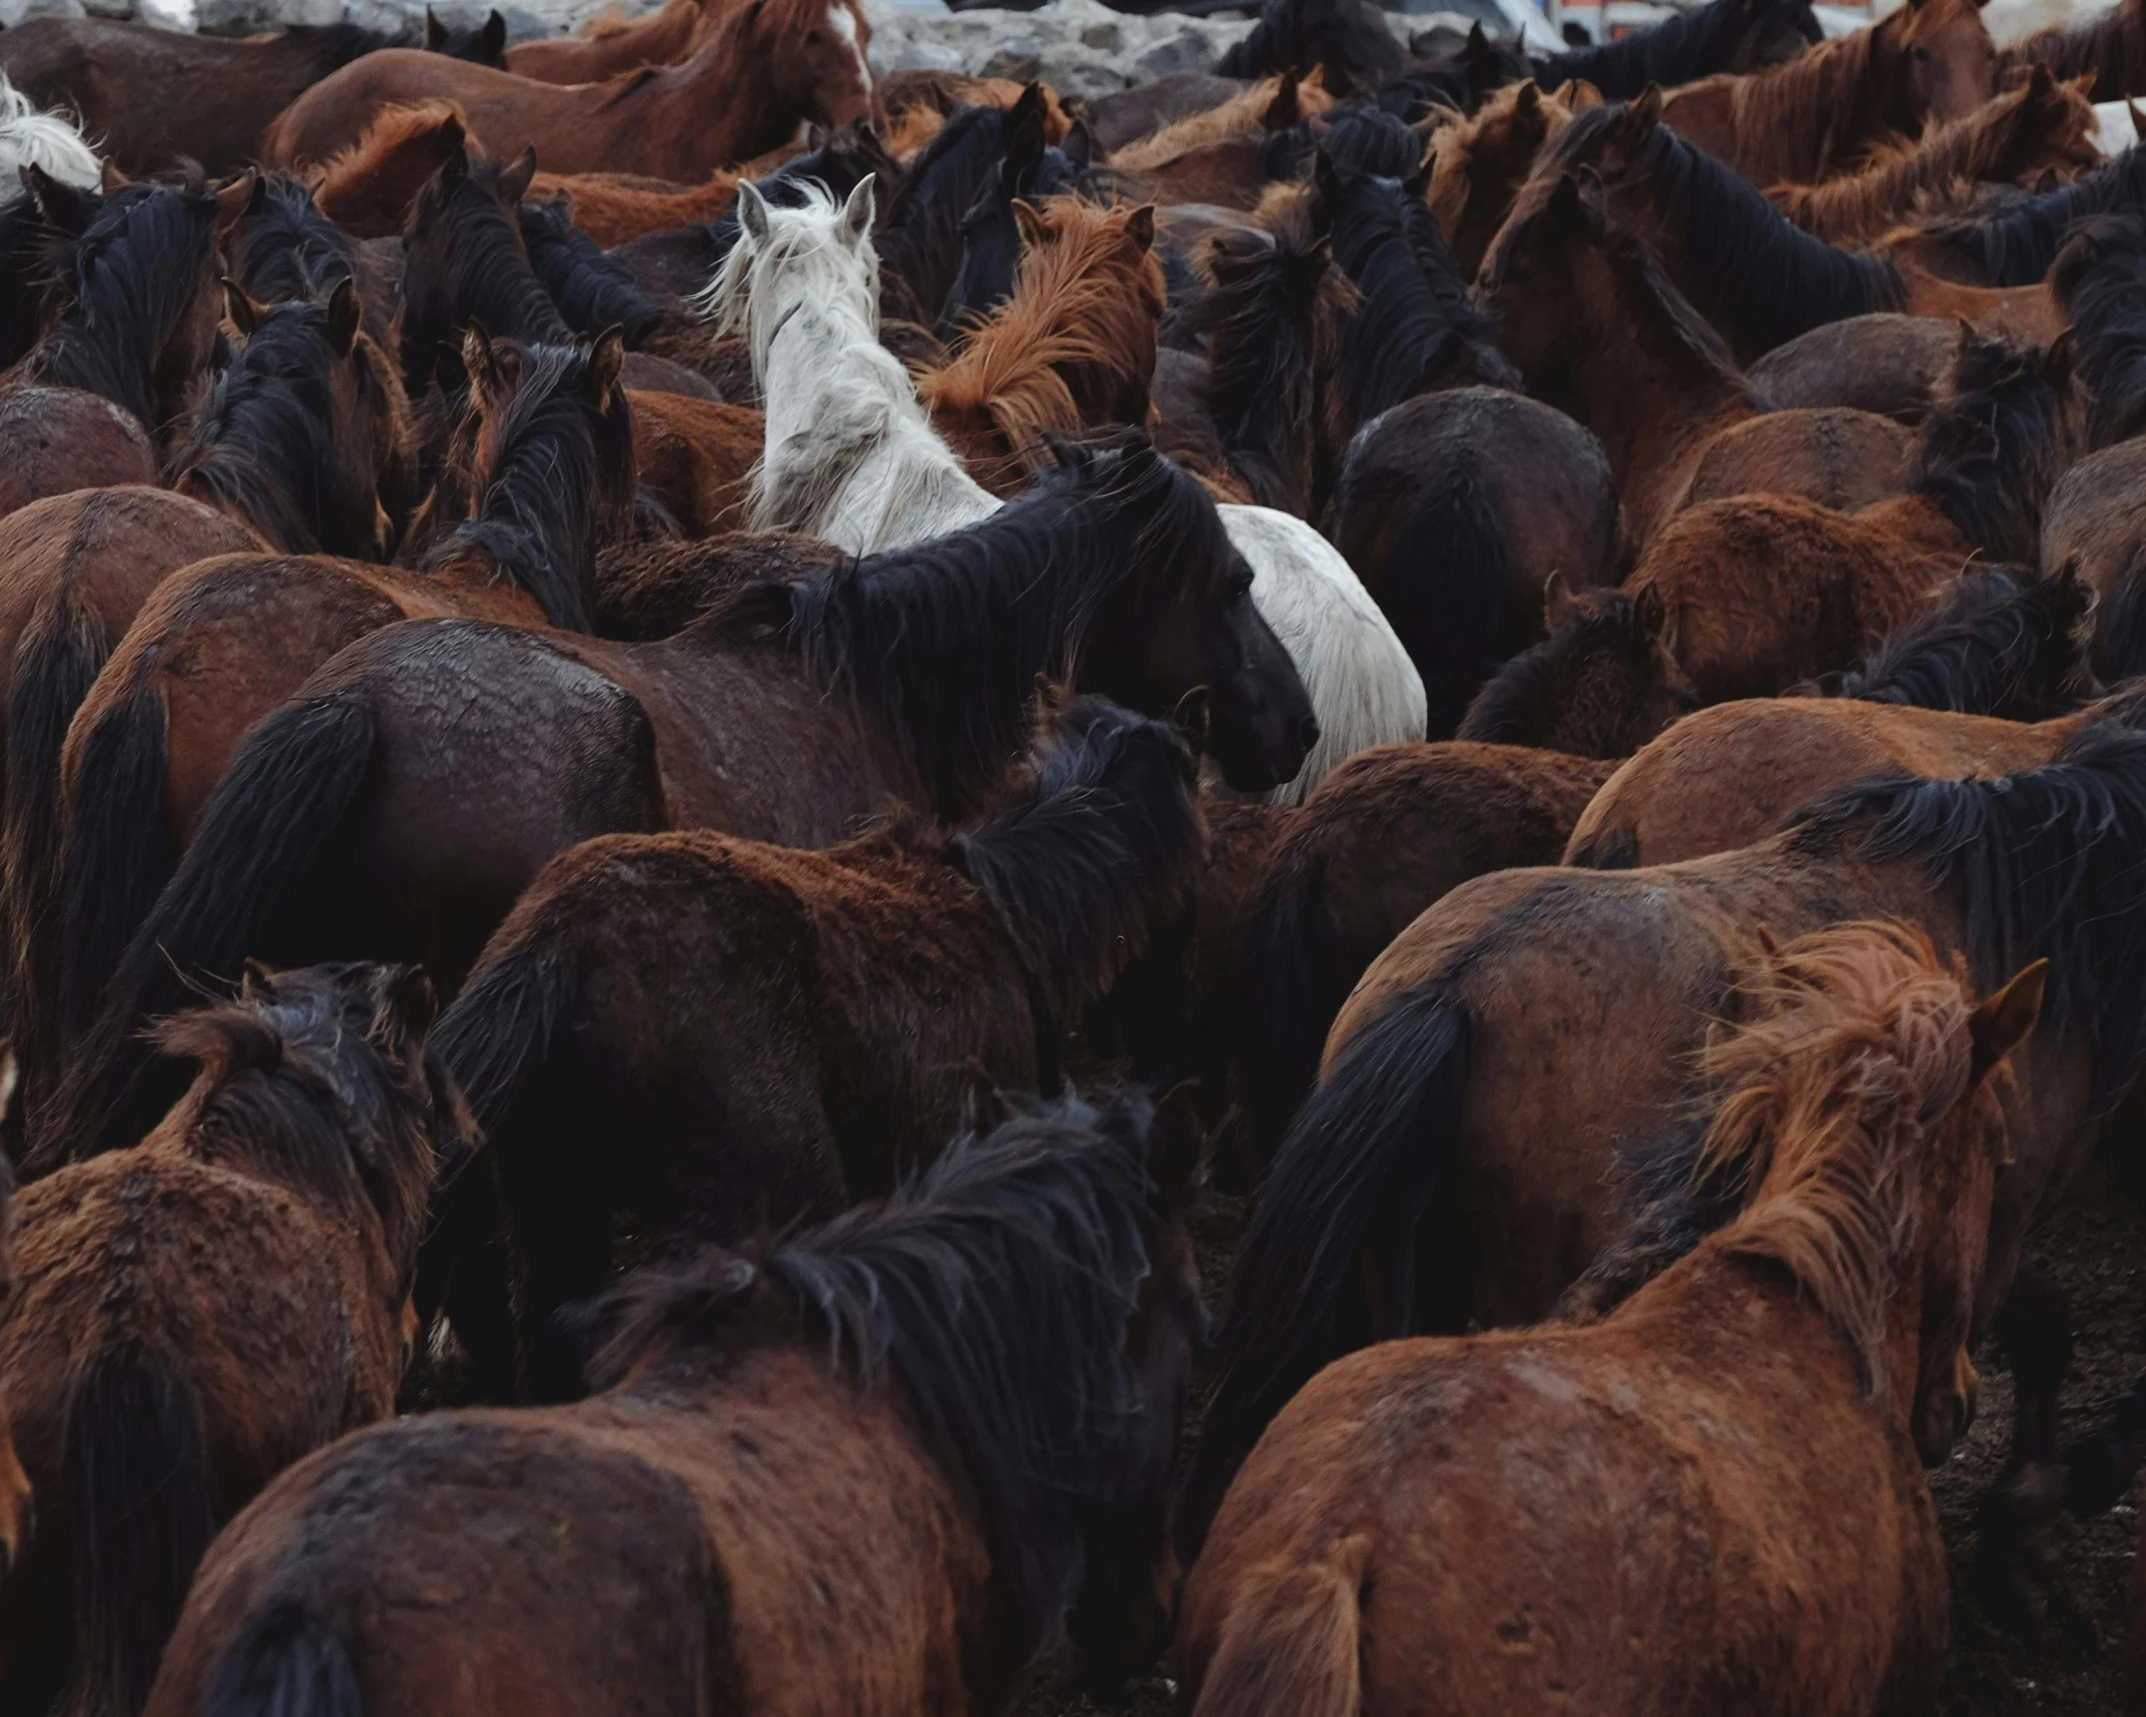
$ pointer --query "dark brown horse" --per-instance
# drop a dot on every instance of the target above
(763, 68)
(138, 303)
(844, 1004)
(1823, 111)
(1523, 1521)
(785, 716)
(197, 1313)
(2109, 46)
(904, 1520)
(224, 644)
(1509, 1101)
(1479, 164)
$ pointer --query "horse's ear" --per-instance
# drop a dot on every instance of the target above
(454, 165)
(514, 179)
(452, 139)
(343, 317)
(1557, 602)
(1325, 178)
(1527, 101)
(1572, 208)
(245, 312)
(61, 204)
(239, 199)
(1641, 116)
(1029, 220)
(752, 211)
(404, 1007)
(1194, 715)
(1649, 614)
(857, 212)
(1285, 109)
(2001, 1023)
(435, 32)
(2040, 83)
(1079, 146)
(2060, 360)
(1022, 127)
(607, 359)
(254, 980)
(1580, 95)
(1140, 226)
(494, 39)
(480, 358)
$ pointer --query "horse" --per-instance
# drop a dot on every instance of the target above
(862, 991)
(2108, 46)
(136, 286)
(1479, 164)
(224, 644)
(367, 189)
(994, 234)
(610, 44)
(1418, 1187)
(785, 715)
(1347, 42)
(1884, 363)
(984, 1374)
(1600, 331)
(156, 97)
(1457, 508)
(465, 261)
(50, 142)
(762, 69)
(1383, 837)
(1755, 276)
(483, 43)
(284, 248)
(2014, 243)
(2099, 280)
(1513, 1520)
(1723, 37)
(195, 1314)
(1807, 119)
(2019, 136)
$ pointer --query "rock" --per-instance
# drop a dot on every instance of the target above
(13, 12)
(1078, 47)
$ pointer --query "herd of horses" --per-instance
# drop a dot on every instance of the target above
(693, 739)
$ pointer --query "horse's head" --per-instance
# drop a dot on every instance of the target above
(1553, 280)
(464, 259)
(1185, 618)
(1944, 63)
(818, 254)
(1602, 684)
(1478, 165)
(2047, 125)
(809, 56)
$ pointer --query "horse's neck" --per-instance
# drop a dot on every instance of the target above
(1653, 403)
(717, 102)
(1843, 115)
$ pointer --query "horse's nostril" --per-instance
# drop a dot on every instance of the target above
(1308, 732)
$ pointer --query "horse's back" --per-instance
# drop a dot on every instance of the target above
(57, 439)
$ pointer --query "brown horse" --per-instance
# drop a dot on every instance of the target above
(764, 67)
(1379, 840)
(1072, 349)
(694, 459)
(615, 208)
(2042, 128)
(369, 188)
(139, 304)
(901, 1521)
(1528, 1520)
(197, 1313)
(609, 44)
(1478, 164)
(2109, 47)
(1508, 1099)
(226, 642)
(1810, 118)
(845, 1003)
(785, 716)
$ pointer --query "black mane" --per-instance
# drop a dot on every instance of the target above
(1681, 48)
(467, 264)
(1750, 271)
(996, 1288)
(1109, 847)
(289, 250)
(123, 285)
(947, 636)
(562, 473)
(1988, 455)
(1262, 390)
(919, 232)
(2047, 862)
(2099, 279)
(1371, 140)
(592, 291)
(2015, 245)
(263, 441)
(2004, 642)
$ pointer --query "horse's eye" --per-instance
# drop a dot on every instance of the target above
(812, 38)
(1241, 585)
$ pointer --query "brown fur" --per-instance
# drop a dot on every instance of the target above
(1073, 348)
(1835, 456)
(1245, 118)
(651, 590)
(615, 207)
(1886, 363)
(1479, 163)
(367, 189)
(695, 457)
(609, 44)
(761, 70)
(1808, 119)
(2041, 128)
(1521, 1521)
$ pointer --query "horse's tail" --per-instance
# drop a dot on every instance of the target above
(1289, 1646)
(1328, 1260)
(57, 659)
(500, 1031)
(288, 1663)
(284, 797)
(1284, 1015)
(1447, 596)
(140, 1513)
(117, 855)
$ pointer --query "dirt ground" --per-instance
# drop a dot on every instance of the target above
(2095, 1244)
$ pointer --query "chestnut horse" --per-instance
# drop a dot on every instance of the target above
(1525, 1520)
(982, 1381)
(225, 643)
(137, 288)
(785, 716)
(1419, 1186)
(609, 44)
(1479, 164)
(1823, 111)
(765, 66)
(845, 1003)
(197, 1313)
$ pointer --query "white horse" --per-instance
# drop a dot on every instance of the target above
(30, 137)
(851, 456)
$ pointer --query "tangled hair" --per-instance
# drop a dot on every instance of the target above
(592, 291)
(30, 137)
(2015, 245)
(1989, 451)
(1267, 346)
(288, 249)
(2099, 280)
(1859, 1051)
(2002, 642)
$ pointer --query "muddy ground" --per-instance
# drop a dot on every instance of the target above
(2096, 1246)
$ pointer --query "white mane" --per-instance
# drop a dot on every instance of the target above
(30, 137)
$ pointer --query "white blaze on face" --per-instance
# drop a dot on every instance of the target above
(844, 24)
